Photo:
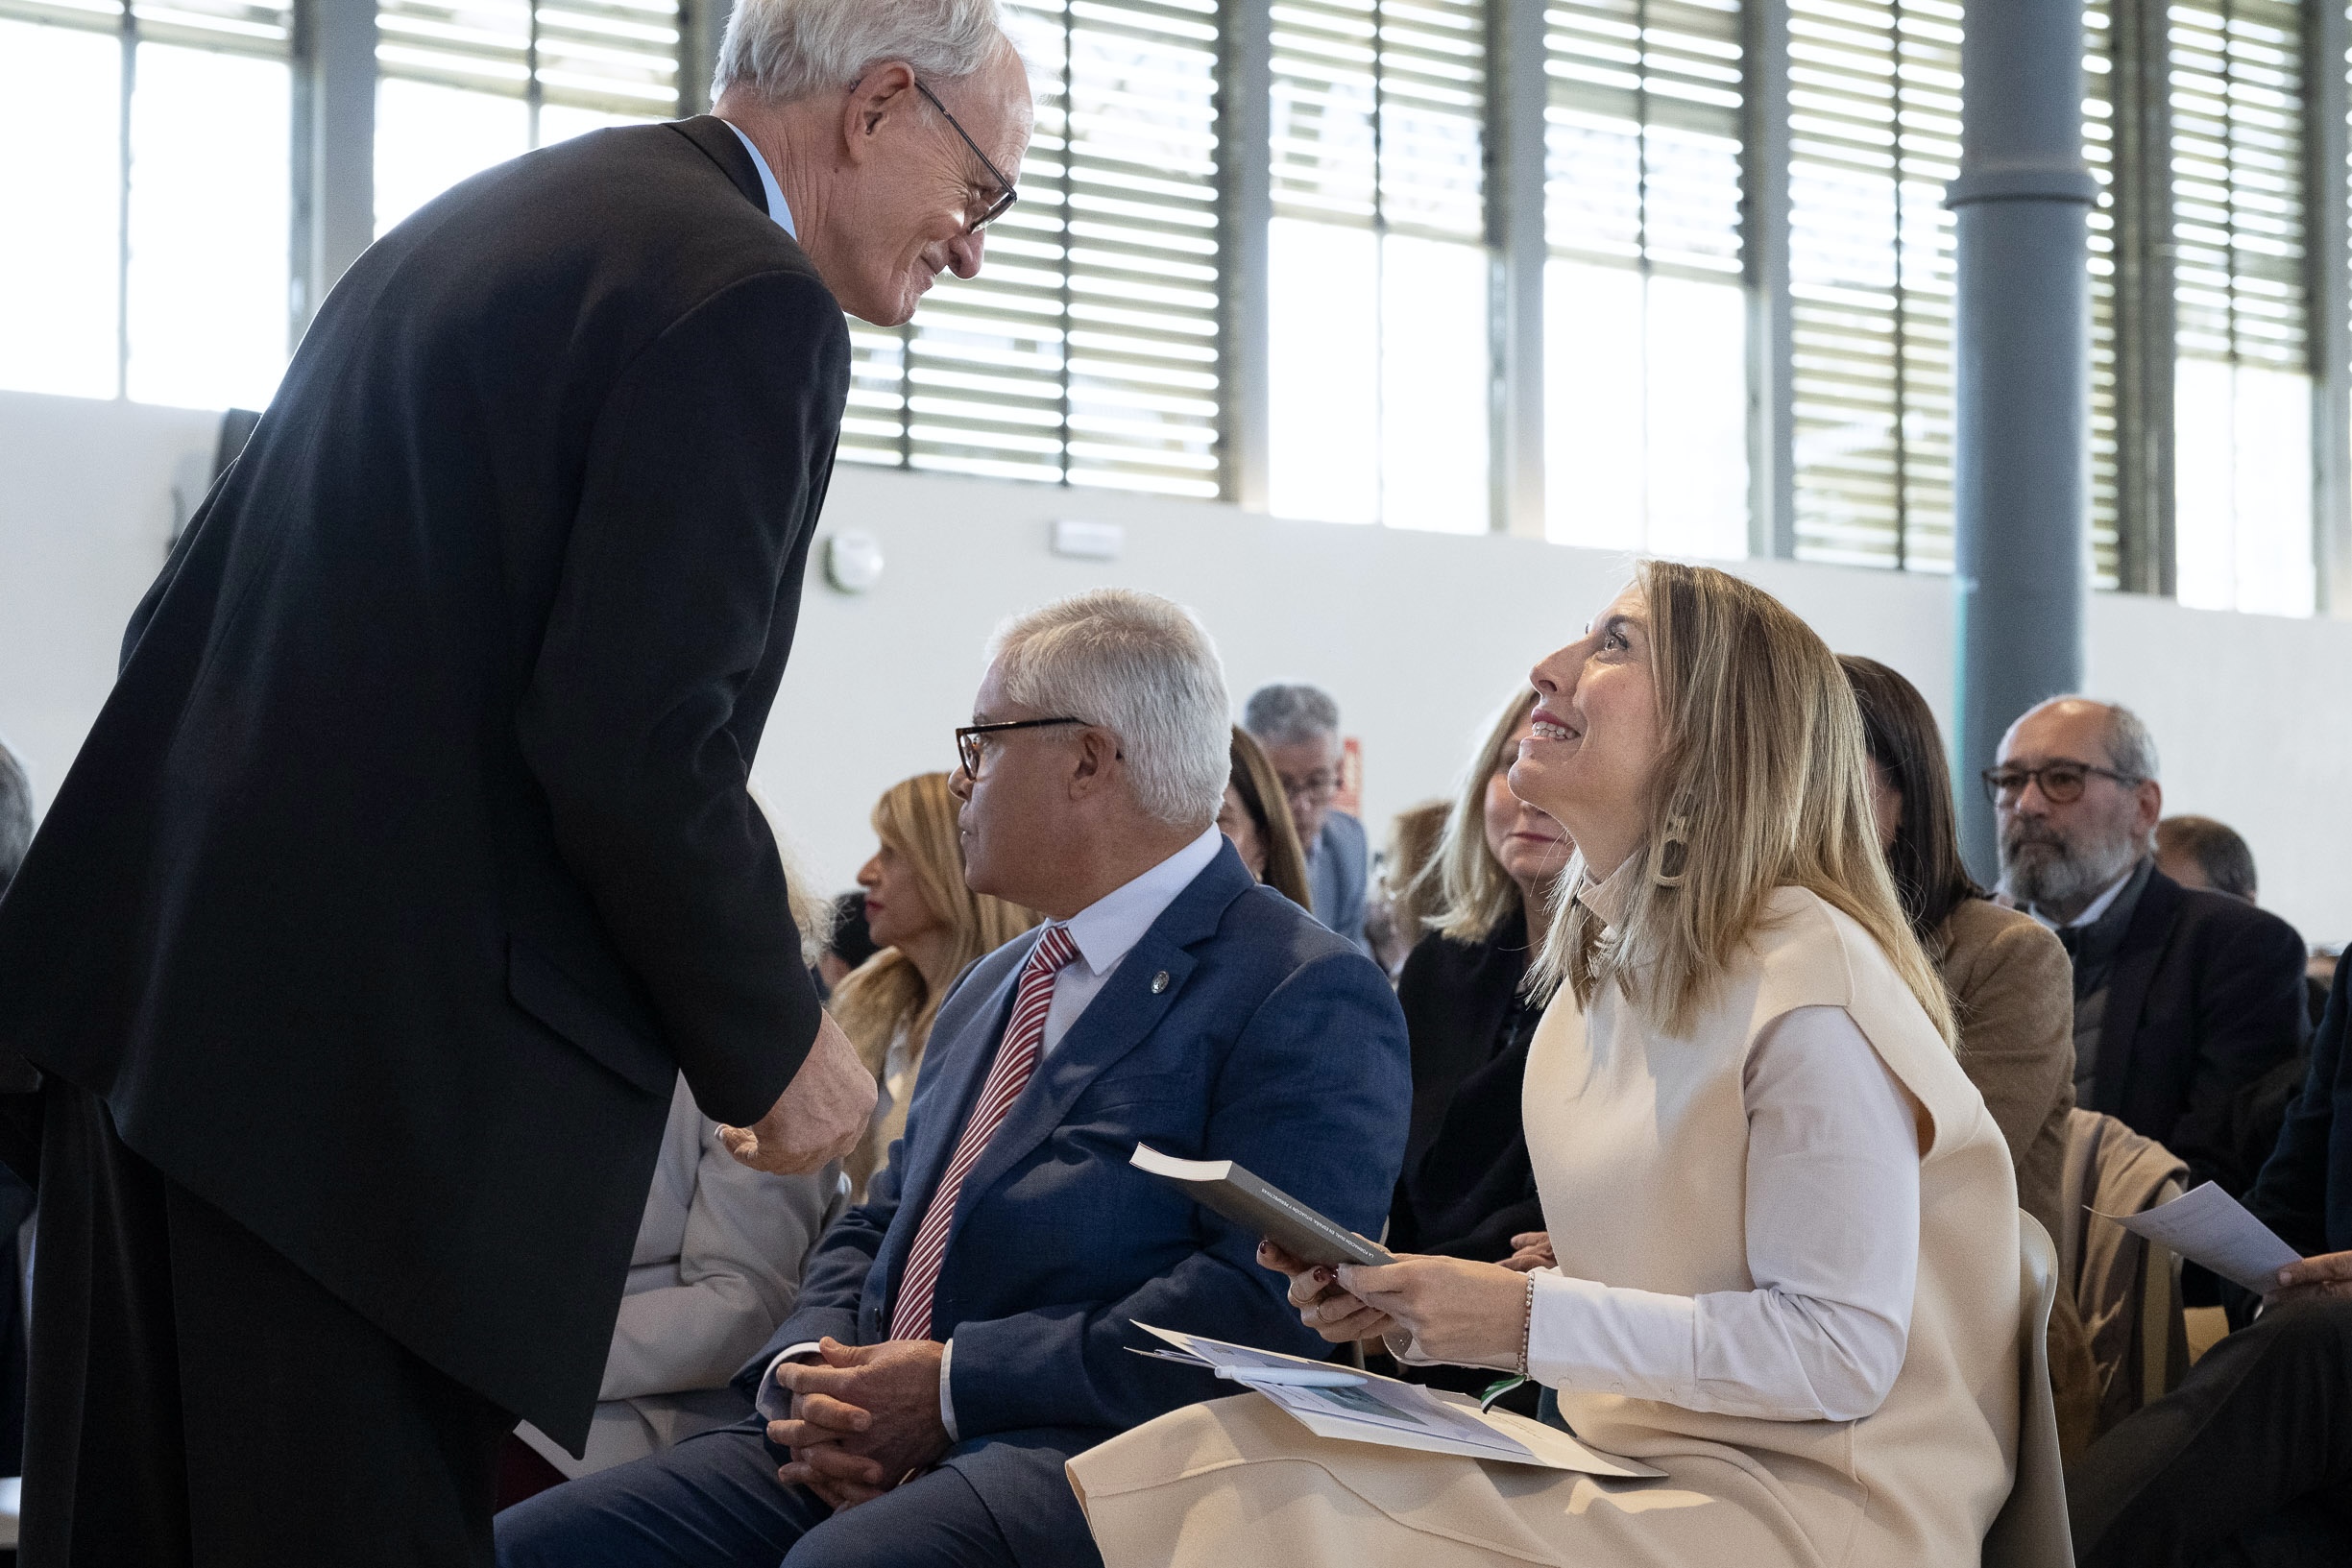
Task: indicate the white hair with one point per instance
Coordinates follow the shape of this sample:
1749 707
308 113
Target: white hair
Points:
788 49
1142 667
1291 712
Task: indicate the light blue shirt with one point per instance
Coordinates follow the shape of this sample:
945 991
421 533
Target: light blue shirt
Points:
778 207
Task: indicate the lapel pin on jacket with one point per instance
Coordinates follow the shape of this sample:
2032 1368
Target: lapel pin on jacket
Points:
1159 982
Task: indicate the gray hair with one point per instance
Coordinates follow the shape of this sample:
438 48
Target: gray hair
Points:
1288 712
2131 750
788 49
1142 667
15 815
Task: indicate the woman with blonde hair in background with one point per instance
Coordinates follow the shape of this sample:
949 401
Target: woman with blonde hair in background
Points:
1786 1224
928 925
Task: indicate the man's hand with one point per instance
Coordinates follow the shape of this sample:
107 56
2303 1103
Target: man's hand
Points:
820 1117
863 1420
2330 1274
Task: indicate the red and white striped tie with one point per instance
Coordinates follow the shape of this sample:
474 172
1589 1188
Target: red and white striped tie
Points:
1016 1061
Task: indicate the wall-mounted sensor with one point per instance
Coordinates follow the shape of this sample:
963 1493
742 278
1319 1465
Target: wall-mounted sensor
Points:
853 560
1088 541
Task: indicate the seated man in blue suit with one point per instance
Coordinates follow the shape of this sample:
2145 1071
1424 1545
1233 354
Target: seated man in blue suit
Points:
968 1330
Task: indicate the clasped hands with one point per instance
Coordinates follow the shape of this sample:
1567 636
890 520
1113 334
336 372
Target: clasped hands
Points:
1452 1310
864 1418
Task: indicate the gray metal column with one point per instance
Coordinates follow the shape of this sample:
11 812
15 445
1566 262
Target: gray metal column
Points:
1772 349
2326 35
1244 157
2022 377
334 148
1517 92
702 26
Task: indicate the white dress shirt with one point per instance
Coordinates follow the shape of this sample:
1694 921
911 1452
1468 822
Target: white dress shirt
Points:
778 207
1104 933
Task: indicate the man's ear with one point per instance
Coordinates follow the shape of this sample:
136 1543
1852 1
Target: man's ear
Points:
885 90
2151 805
1098 751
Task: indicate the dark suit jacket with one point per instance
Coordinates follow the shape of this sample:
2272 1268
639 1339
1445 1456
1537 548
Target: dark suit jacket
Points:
2305 1190
1274 1043
411 858
1467 1187
2205 996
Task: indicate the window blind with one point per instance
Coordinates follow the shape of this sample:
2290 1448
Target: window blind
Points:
615 56
2098 152
1874 100
1086 352
233 26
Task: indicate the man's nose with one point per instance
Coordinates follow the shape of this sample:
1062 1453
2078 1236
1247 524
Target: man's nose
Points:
963 253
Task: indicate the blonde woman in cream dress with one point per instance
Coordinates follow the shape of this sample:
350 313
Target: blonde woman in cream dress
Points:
1785 1225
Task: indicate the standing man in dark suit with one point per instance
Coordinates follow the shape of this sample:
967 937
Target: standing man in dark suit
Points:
2183 998
968 1328
412 858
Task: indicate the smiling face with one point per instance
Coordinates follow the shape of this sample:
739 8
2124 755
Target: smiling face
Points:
1528 845
904 214
1595 736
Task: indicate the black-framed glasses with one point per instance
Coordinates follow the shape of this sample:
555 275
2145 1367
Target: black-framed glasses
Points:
1005 195
2062 781
1320 786
969 744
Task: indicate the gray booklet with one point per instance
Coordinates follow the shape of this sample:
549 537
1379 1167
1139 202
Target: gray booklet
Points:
1262 1209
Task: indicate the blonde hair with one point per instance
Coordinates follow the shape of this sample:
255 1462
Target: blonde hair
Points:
1471 891
917 818
1414 837
1761 783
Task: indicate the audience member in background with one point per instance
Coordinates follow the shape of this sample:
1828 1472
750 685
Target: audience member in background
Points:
1256 819
2011 986
2012 991
1299 726
1396 916
2249 1461
847 942
1466 1189
1786 1228
2182 997
2198 851
965 1331
929 926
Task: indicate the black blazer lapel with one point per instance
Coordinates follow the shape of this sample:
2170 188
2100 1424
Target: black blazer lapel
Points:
2127 985
1121 1016
724 147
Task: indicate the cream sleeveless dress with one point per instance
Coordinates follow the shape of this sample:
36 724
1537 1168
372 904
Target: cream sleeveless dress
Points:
1639 1148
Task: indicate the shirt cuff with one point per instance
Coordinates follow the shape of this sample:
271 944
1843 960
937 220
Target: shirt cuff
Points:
947 1394
773 1402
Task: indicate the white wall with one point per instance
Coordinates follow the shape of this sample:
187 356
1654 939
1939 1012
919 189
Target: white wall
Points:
1419 635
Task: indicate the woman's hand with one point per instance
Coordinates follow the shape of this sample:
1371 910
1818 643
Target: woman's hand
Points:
1532 1250
1322 1305
1469 1314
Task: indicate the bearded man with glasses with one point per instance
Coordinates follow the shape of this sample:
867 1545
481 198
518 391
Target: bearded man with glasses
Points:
2184 998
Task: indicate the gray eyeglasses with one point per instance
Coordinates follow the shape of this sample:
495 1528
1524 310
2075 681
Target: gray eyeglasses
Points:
1005 195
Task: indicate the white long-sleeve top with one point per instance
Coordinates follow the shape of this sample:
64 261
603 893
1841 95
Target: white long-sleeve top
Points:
1832 1205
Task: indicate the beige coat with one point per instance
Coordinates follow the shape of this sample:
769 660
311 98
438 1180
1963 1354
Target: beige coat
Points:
2013 988
1639 1144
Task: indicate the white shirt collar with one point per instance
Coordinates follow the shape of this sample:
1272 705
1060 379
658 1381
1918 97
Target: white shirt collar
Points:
1105 929
778 207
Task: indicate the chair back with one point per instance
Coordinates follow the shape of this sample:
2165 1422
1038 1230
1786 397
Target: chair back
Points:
2032 1531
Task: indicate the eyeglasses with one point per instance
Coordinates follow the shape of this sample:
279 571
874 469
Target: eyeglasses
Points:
969 743
1005 195
2062 782
1318 786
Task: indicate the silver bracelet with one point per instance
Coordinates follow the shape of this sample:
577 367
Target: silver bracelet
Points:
1527 1323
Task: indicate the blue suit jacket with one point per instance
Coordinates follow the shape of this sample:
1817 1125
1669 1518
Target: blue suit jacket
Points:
1339 874
1271 1042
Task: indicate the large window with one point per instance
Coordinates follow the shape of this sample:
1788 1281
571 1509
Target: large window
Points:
1874 122
1377 352
2242 496
146 187
1646 399
1086 350
471 83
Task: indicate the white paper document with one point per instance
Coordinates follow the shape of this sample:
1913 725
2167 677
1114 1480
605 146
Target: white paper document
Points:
1370 1409
2208 1226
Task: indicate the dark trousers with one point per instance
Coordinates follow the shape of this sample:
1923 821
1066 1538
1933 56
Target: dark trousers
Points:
714 1502
196 1399
2247 1463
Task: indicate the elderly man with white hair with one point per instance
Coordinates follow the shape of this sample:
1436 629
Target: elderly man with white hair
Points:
968 1329
412 860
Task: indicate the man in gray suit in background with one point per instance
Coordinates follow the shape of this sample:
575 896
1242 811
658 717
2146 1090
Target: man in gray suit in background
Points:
1299 726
